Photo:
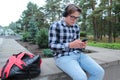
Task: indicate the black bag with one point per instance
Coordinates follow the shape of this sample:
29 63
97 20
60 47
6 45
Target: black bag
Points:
21 66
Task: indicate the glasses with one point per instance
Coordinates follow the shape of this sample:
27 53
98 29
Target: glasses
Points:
73 17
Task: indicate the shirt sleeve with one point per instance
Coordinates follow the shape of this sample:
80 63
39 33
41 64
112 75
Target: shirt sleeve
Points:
54 43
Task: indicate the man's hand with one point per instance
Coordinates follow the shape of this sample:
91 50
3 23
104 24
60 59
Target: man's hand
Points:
77 44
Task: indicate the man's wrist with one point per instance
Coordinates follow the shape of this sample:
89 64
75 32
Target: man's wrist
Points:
69 45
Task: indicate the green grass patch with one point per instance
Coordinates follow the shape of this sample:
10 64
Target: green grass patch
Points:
105 45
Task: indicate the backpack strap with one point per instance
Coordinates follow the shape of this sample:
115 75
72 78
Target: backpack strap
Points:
15 60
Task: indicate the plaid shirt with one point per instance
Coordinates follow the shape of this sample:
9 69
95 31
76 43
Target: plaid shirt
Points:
60 35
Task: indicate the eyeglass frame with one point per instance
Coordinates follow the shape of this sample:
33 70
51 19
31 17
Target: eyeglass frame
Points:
73 17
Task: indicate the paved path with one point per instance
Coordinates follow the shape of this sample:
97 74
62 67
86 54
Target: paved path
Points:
9 47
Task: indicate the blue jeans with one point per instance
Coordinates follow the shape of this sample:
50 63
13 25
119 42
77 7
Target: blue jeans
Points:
76 65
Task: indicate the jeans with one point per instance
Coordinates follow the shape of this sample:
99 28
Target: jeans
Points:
76 65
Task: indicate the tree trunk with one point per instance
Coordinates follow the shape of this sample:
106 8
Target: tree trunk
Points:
94 23
110 25
95 29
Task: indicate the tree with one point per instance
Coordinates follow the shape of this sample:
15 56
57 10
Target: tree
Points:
32 29
116 11
84 5
89 6
53 10
12 26
32 20
27 15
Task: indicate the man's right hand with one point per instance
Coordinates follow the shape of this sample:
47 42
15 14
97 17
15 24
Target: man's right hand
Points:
77 44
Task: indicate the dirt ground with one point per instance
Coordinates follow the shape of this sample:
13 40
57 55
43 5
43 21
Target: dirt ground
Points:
32 48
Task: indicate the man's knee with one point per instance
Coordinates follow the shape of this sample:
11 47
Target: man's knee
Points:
100 72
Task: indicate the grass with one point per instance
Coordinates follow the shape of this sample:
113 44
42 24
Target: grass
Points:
105 45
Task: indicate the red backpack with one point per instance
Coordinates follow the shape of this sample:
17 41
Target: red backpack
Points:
21 66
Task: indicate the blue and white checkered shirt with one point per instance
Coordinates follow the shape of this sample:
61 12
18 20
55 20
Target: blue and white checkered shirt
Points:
60 35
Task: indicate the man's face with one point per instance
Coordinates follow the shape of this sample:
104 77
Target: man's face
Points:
72 18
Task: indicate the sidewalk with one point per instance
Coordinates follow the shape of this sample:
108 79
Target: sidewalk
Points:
9 47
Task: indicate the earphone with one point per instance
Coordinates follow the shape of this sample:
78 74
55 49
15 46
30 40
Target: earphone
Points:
65 13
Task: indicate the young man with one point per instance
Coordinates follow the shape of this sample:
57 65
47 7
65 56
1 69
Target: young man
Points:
64 41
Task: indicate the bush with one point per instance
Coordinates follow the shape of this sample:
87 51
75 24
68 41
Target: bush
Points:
42 38
25 36
47 53
83 34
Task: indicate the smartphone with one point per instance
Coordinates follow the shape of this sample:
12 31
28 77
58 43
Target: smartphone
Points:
84 40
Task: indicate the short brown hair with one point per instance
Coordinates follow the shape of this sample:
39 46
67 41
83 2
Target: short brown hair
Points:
71 8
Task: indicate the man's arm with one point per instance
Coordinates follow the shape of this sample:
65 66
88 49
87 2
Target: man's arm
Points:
54 44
